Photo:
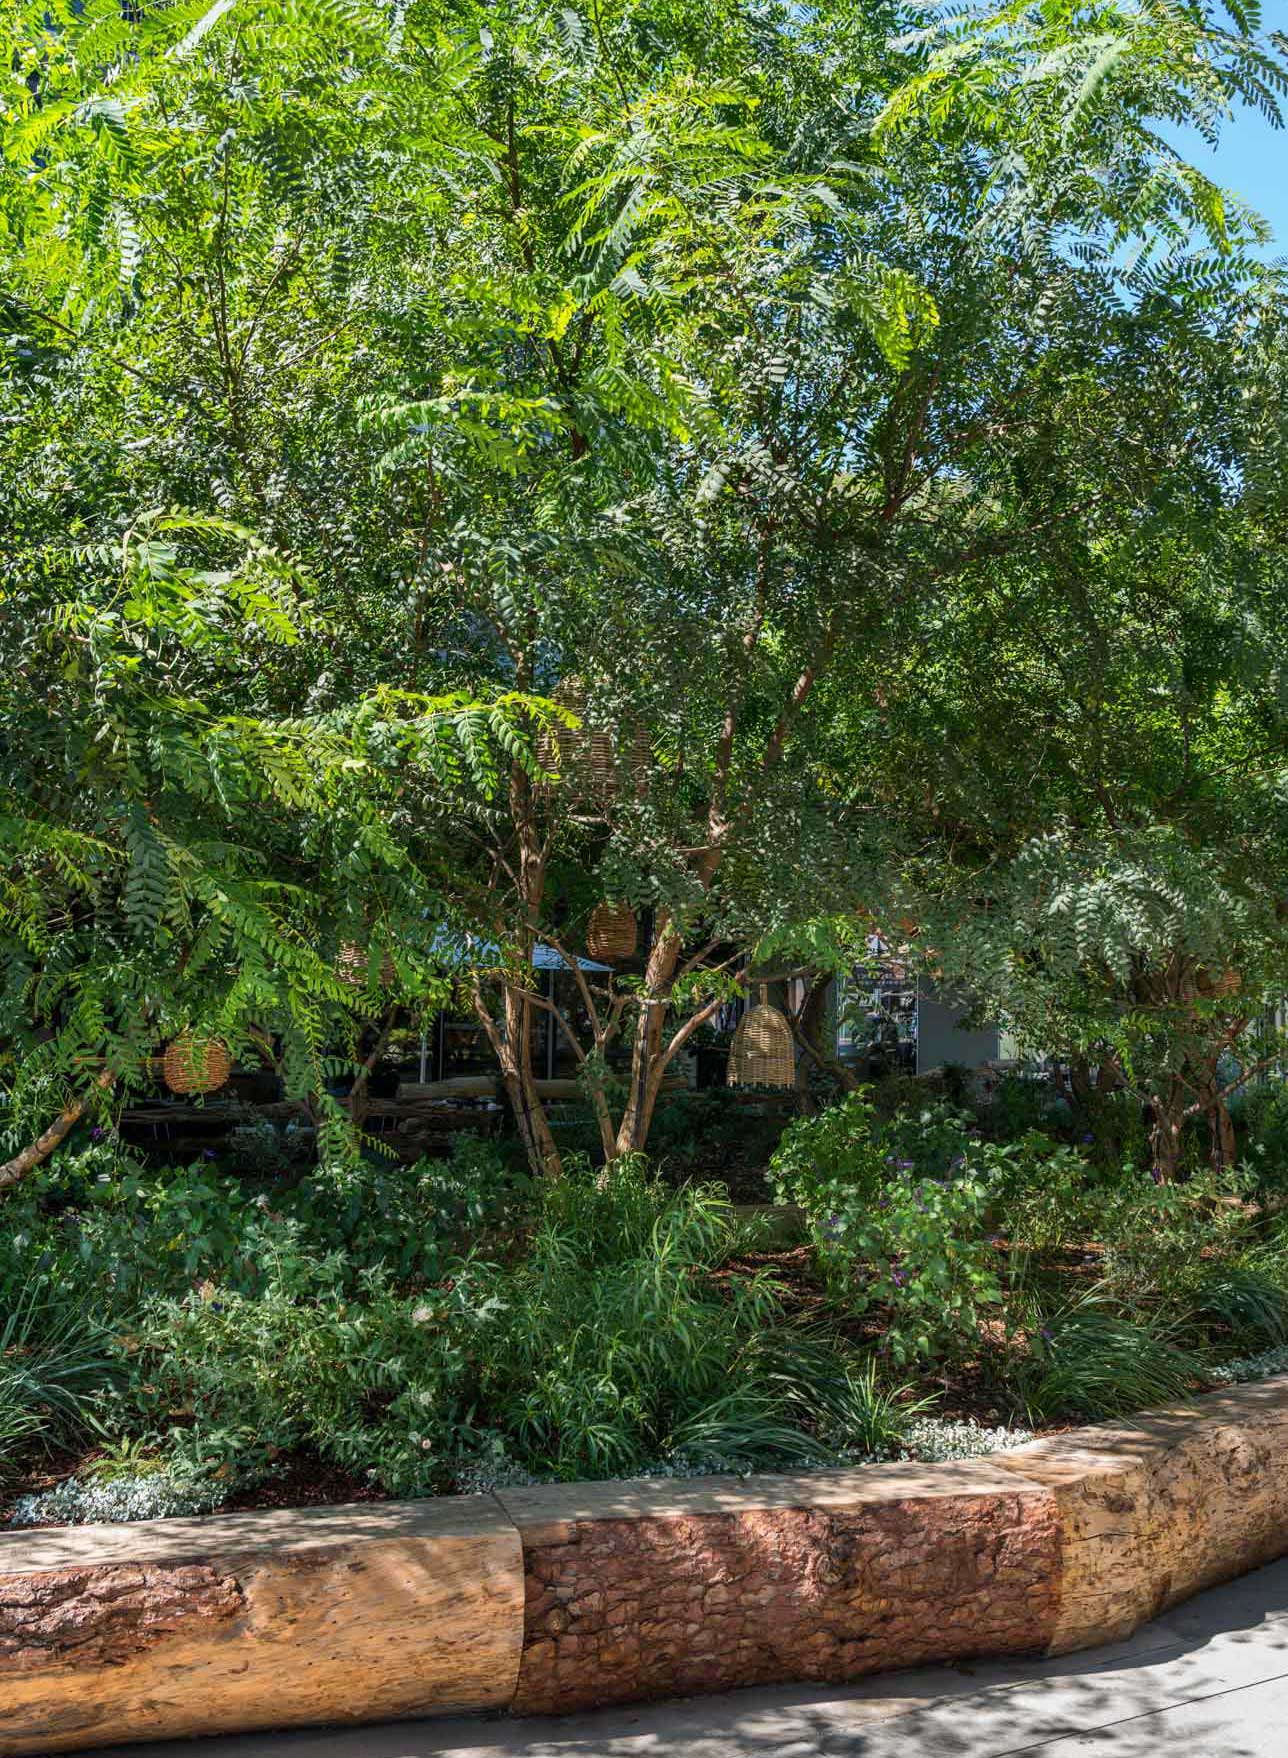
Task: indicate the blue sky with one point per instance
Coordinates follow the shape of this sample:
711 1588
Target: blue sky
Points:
1252 158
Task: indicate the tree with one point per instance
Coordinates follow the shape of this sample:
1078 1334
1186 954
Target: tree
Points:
672 347
1095 836
176 863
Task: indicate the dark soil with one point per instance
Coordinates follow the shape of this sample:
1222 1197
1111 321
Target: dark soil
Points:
303 1481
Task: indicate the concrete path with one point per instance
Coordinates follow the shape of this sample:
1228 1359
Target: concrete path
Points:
1209 1680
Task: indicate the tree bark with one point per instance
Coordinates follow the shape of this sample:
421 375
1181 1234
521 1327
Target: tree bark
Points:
647 1062
807 1028
1167 1126
359 1102
13 1171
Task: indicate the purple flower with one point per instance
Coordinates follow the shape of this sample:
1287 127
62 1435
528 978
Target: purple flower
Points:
97 1134
1156 1173
905 1165
208 1153
1089 1137
898 1277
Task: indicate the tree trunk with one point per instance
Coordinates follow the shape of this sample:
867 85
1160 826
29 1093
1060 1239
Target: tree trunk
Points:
359 1095
807 1028
1166 1129
521 1090
13 1171
1222 1147
648 1063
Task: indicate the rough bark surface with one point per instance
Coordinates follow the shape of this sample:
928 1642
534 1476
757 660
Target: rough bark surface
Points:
1153 1513
107 1616
624 1609
336 1630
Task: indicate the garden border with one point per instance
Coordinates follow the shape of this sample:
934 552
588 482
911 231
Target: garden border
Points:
571 1595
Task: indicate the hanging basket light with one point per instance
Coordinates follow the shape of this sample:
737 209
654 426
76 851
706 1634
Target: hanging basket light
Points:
352 963
762 1053
611 933
582 756
192 1066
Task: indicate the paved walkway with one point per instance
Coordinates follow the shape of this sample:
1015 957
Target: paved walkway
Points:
1209 1680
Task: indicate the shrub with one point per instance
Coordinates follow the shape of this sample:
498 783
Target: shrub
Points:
260 1149
618 1348
1245 1302
932 1141
837 1152
1160 1238
1045 1195
607 1344
1019 1106
1260 1116
889 1237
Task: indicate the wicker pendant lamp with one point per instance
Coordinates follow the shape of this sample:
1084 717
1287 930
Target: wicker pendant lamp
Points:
762 1053
351 967
611 932
192 1067
582 755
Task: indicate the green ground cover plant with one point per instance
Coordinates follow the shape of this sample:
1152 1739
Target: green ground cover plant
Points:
453 1324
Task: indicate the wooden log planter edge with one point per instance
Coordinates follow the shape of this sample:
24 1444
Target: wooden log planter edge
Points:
565 1597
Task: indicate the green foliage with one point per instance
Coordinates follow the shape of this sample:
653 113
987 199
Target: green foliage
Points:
604 1346
1247 1304
117 1232
890 1234
707 352
176 858
837 1154
1018 1105
620 1349
707 1135
56 1365
1260 1115
1090 1359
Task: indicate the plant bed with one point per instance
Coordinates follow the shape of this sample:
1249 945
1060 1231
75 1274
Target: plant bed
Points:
381 1332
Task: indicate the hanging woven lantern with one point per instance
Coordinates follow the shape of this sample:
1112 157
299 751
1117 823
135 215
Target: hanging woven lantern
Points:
640 761
190 1066
611 932
762 1053
351 967
582 755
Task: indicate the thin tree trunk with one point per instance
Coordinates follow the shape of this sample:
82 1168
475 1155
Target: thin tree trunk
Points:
359 1102
520 1084
807 1028
647 1066
1165 1136
13 1171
